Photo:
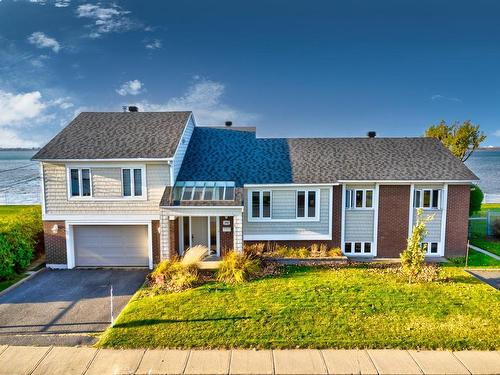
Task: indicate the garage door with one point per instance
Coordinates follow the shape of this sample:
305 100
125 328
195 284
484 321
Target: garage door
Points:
111 245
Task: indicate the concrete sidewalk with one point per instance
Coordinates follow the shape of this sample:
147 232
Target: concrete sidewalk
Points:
24 360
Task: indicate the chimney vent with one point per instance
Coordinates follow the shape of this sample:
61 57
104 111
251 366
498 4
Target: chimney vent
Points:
372 134
229 123
133 108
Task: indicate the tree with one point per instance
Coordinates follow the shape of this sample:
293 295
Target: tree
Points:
412 258
461 139
476 199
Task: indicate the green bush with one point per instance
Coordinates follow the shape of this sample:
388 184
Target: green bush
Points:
476 199
18 237
174 276
496 227
237 268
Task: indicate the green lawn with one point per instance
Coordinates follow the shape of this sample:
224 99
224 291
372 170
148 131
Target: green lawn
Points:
477 230
476 259
317 308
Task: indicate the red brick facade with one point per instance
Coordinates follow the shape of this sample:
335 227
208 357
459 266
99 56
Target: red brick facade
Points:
393 217
457 220
174 238
226 238
55 243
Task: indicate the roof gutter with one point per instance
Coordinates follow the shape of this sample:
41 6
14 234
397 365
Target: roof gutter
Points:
403 182
104 160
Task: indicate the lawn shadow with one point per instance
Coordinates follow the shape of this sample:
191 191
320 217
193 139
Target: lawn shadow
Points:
149 322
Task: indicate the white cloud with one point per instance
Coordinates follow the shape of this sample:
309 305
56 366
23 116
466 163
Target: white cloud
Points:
438 97
204 98
62 3
134 87
26 117
19 107
106 20
497 133
40 40
155 44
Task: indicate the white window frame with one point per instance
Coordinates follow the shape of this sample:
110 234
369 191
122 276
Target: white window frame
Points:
132 183
306 205
261 205
428 251
80 183
420 204
362 253
350 197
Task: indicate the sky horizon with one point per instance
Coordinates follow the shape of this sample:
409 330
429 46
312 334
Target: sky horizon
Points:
289 68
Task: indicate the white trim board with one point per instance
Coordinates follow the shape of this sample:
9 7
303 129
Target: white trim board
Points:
96 218
102 160
286 237
291 186
408 182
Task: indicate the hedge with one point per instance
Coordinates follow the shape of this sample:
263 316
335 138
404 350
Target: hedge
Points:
18 238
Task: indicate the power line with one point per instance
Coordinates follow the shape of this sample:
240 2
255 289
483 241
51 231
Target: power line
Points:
13 169
5 188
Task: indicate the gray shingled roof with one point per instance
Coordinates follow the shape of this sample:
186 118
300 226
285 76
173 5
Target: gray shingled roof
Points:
227 155
117 135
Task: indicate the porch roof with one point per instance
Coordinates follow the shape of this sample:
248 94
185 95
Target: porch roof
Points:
168 200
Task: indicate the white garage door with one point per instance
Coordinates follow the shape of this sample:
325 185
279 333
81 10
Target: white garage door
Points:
111 245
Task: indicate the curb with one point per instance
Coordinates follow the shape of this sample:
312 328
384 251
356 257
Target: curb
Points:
14 286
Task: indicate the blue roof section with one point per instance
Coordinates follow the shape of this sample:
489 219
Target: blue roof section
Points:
216 154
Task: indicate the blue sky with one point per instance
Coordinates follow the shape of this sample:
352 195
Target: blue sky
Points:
308 68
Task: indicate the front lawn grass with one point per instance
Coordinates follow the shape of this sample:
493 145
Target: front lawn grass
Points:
352 307
476 259
478 231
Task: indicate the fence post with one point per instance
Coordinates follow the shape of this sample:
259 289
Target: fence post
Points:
488 224
467 255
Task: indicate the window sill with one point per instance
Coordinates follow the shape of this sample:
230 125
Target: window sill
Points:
297 220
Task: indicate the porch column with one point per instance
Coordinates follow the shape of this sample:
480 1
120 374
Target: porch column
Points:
164 236
238 232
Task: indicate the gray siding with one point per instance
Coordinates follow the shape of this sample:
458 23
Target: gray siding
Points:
107 202
285 205
359 225
182 147
433 226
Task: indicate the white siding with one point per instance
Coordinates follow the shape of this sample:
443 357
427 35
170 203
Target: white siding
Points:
433 226
182 148
107 201
291 229
359 225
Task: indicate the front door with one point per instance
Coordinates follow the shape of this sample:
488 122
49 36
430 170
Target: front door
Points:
199 231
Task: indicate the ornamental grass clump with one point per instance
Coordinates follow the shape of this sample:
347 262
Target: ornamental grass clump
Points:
174 276
413 257
237 268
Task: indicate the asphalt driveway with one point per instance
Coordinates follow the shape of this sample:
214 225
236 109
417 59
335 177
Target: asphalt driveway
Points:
65 307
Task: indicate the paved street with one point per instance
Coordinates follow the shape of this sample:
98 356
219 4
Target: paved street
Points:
62 307
89 361
491 277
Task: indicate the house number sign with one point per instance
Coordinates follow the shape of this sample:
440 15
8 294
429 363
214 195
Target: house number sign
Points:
226 229
226 222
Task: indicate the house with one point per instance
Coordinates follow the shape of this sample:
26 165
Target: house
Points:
133 188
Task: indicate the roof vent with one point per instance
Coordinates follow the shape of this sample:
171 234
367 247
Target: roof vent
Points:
133 108
372 134
229 123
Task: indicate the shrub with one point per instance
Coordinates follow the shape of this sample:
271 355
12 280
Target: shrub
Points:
282 251
255 249
18 237
496 227
323 250
335 252
301 252
194 255
172 275
476 199
412 258
237 268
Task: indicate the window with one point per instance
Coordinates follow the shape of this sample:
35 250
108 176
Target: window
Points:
204 191
132 182
306 208
80 182
261 204
358 248
427 198
430 247
359 198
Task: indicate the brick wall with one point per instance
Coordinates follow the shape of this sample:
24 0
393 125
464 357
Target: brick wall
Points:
174 238
155 225
393 216
226 238
55 243
457 220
